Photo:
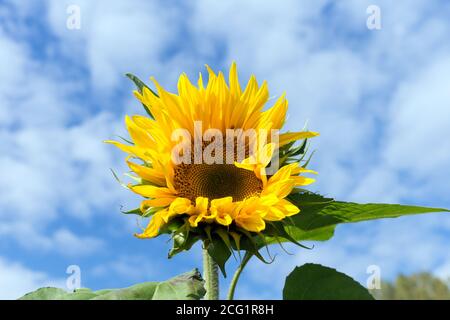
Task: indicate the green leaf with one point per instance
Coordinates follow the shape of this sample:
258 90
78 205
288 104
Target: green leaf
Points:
189 285
319 216
316 282
320 234
219 252
140 85
354 212
49 293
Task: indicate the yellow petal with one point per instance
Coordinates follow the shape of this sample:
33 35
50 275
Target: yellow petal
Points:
154 226
285 138
273 214
140 137
149 174
215 203
269 200
177 206
302 181
252 223
288 208
221 209
299 169
159 202
233 79
180 205
194 220
150 191
281 189
201 204
247 164
283 173
137 151
224 219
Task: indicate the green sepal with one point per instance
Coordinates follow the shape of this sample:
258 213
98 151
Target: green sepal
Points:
237 240
140 85
125 140
252 244
290 153
133 211
182 237
136 179
118 180
219 252
309 159
208 232
223 234
150 211
279 231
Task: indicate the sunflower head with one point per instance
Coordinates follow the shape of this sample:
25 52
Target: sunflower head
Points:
210 162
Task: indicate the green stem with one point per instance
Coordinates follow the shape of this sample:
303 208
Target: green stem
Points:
211 275
237 274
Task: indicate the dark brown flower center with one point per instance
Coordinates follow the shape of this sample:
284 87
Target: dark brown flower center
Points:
215 181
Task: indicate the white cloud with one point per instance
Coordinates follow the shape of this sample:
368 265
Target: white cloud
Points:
50 174
420 116
117 37
132 268
68 243
61 241
414 141
17 280
52 165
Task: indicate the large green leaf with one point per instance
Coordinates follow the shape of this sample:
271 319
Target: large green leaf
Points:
316 282
319 216
50 293
189 285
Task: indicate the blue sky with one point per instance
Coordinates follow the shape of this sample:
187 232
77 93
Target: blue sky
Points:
380 99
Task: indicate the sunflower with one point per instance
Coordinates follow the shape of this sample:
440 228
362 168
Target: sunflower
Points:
236 191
